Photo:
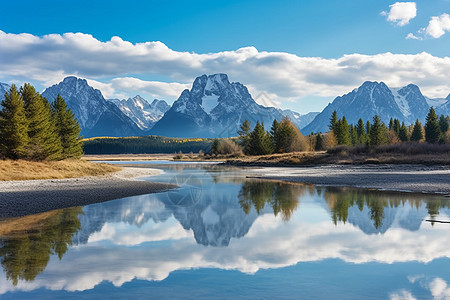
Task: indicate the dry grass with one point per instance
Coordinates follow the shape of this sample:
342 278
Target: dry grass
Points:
405 153
30 170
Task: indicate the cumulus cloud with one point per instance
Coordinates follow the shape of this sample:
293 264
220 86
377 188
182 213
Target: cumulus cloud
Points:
438 26
401 13
412 36
119 68
439 289
402 295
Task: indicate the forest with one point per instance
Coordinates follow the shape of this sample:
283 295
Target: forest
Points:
145 144
31 128
284 137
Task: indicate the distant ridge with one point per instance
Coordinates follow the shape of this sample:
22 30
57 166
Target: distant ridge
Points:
96 116
374 98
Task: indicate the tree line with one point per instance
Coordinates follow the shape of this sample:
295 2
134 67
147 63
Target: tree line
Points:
145 144
283 137
435 131
32 128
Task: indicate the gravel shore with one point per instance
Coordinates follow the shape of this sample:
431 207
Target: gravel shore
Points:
20 198
405 178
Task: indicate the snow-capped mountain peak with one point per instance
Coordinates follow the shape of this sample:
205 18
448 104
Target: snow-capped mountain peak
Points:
97 117
374 98
143 113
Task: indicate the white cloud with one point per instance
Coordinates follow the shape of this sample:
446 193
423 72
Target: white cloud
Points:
402 295
283 76
401 13
412 36
438 26
439 289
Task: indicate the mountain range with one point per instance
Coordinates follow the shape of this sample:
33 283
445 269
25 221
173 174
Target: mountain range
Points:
213 107
407 104
143 113
216 107
97 117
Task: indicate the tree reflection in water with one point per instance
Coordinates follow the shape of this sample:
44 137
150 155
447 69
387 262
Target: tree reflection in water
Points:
339 200
25 252
282 197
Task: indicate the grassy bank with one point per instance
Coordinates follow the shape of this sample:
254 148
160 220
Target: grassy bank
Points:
30 170
390 154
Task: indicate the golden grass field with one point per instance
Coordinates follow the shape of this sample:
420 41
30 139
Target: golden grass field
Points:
31 170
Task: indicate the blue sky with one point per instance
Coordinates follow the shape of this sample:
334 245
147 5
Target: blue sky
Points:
279 37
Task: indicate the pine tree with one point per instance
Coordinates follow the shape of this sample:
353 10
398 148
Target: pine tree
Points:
361 132
417 134
44 140
344 132
444 123
335 126
13 126
378 132
432 128
368 127
215 147
288 138
274 136
260 143
354 135
319 142
333 121
403 133
244 136
68 129
396 126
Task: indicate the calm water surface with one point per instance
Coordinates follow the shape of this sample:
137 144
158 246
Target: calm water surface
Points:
221 235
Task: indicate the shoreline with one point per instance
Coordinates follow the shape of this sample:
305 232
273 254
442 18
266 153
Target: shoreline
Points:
417 179
27 197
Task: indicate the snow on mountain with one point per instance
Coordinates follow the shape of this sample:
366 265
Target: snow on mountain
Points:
97 117
301 121
436 102
143 113
444 109
213 107
372 98
4 88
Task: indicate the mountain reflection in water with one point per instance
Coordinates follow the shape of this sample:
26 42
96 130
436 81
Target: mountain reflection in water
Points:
232 220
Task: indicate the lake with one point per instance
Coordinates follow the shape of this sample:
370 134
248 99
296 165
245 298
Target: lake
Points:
223 235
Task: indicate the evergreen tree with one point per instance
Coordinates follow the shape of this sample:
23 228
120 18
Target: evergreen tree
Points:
403 133
396 126
215 147
444 123
260 143
342 132
333 121
417 134
432 128
368 127
13 126
361 132
319 142
274 136
244 136
378 132
44 140
354 135
68 129
391 124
